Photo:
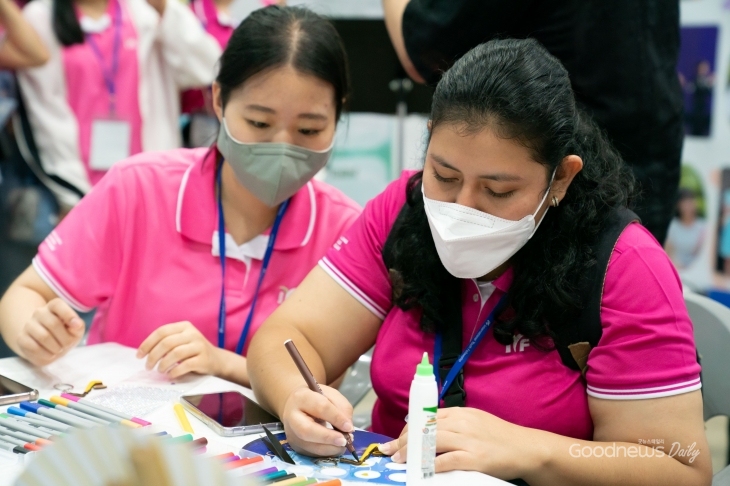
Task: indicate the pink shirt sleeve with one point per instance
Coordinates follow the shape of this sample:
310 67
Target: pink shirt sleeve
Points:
355 261
81 259
647 349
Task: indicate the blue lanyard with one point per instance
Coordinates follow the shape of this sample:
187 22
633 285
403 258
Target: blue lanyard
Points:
264 267
466 354
110 74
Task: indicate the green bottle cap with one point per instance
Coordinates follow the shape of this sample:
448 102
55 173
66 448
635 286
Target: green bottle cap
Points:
424 368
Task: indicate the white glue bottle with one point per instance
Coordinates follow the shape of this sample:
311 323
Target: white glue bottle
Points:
422 408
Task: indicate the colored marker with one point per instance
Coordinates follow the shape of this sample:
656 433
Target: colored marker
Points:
12 445
264 472
23 436
182 418
304 482
21 443
254 469
13 448
284 478
201 442
86 401
93 412
272 476
227 455
180 438
49 431
25 421
17 425
75 413
243 462
230 459
37 420
331 482
294 479
57 415
163 434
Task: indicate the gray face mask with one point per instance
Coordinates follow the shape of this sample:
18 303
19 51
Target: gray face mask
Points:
273 172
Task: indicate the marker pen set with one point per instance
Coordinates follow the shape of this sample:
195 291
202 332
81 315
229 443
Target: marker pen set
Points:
99 408
69 413
30 426
265 472
21 437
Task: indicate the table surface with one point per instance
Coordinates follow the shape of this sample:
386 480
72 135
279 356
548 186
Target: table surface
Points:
118 367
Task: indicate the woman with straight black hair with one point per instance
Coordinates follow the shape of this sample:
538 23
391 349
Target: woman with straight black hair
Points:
561 344
111 88
184 253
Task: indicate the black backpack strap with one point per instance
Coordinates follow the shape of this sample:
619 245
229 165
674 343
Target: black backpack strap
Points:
451 338
576 339
451 349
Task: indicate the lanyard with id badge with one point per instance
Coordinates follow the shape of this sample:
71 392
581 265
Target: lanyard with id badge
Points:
264 266
110 136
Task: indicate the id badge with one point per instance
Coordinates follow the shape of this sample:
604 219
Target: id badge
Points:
110 142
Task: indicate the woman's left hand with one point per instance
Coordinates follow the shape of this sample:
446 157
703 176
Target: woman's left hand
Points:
180 348
469 439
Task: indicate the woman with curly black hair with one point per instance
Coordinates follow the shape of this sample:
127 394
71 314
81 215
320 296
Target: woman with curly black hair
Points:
562 346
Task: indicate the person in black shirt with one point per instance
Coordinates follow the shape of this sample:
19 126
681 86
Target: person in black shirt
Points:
621 56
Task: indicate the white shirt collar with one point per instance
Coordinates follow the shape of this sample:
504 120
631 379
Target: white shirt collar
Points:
226 20
95 26
252 249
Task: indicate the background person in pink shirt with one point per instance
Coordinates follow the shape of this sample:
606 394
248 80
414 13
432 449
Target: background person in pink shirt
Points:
517 190
145 247
111 87
216 18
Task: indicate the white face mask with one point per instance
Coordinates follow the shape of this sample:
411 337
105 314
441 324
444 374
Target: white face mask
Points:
471 243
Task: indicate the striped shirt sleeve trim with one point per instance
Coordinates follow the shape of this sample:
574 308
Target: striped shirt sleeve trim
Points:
351 288
56 287
644 393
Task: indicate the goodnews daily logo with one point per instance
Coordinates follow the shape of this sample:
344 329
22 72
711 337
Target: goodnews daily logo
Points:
614 450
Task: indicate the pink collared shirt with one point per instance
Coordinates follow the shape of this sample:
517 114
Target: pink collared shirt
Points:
86 91
139 248
647 348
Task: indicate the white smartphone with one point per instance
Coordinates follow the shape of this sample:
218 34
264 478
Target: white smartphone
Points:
230 413
13 392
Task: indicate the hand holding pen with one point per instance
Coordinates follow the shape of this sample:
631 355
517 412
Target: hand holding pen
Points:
314 386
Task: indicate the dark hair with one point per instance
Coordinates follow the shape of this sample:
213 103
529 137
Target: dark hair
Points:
519 90
279 36
686 193
66 24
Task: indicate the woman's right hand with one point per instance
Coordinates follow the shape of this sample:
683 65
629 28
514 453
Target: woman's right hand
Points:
303 416
53 330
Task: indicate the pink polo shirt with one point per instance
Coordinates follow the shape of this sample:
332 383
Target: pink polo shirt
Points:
221 28
139 248
647 349
87 92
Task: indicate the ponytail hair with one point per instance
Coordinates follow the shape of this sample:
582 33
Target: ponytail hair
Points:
65 23
521 92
